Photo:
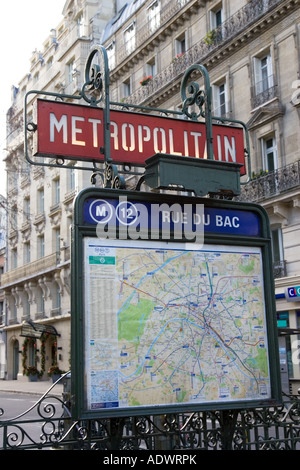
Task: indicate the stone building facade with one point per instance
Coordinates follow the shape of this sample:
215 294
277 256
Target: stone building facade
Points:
36 282
251 51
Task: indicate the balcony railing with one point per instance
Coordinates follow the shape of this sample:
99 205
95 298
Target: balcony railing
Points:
279 269
230 28
263 91
272 184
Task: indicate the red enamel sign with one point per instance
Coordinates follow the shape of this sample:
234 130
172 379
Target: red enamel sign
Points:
76 132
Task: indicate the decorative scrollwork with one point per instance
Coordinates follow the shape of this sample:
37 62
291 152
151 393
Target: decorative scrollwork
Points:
96 77
197 96
200 98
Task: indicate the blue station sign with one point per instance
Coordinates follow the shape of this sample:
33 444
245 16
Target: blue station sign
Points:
123 212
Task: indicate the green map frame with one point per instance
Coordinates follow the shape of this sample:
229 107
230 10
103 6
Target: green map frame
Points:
168 341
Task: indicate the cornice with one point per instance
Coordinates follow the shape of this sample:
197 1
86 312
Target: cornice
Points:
222 51
166 29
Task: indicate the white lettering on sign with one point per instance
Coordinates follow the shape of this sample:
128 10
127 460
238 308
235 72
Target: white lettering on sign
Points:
227 221
101 211
196 136
144 135
67 130
229 149
76 130
128 146
114 135
62 125
163 142
95 123
162 148
58 125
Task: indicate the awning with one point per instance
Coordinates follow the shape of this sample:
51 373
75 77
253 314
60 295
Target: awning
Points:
36 330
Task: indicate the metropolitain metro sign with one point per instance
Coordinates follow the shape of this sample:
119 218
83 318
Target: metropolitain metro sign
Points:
76 132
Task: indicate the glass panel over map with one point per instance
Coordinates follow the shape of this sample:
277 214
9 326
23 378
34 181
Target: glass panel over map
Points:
165 325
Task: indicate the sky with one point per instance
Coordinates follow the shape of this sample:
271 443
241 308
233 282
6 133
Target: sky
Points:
25 25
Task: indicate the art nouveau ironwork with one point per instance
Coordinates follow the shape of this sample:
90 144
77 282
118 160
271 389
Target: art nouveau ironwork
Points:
96 90
48 424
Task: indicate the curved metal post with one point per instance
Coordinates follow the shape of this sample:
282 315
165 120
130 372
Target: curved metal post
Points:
200 98
97 81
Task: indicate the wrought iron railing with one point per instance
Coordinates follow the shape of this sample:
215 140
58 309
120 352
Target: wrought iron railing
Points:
271 184
49 424
198 53
263 91
279 269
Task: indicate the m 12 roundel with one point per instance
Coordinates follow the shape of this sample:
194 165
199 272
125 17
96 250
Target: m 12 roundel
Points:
101 211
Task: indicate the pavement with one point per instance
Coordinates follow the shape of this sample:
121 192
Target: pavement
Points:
34 388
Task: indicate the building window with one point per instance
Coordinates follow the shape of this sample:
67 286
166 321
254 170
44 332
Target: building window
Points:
215 21
263 73
56 298
126 88
111 55
129 38
216 17
26 252
263 89
70 72
56 191
49 62
279 264
151 69
14 258
80 26
269 154
277 245
154 16
14 218
26 306
71 178
40 201
298 318
41 246
40 303
180 44
56 240
220 104
32 354
26 209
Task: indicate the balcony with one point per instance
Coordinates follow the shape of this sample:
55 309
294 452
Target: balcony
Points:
271 184
263 92
253 14
279 269
30 270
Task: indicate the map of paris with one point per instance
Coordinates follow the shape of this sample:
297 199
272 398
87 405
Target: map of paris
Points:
168 325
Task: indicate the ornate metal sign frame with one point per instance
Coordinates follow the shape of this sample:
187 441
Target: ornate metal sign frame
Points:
96 90
93 326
